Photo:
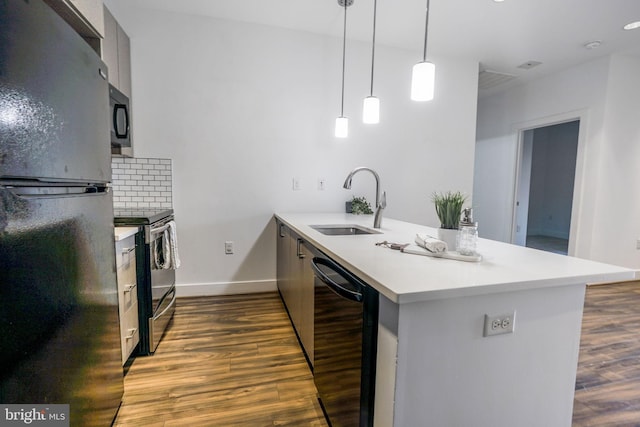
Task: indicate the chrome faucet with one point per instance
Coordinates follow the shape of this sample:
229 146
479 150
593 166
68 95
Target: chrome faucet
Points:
381 202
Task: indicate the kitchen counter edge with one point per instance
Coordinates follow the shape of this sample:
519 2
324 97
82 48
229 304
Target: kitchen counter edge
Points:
405 278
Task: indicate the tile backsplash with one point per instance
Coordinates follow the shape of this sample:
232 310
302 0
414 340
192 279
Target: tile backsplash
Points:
141 183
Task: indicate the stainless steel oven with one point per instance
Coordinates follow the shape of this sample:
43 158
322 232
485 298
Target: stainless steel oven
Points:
162 284
156 285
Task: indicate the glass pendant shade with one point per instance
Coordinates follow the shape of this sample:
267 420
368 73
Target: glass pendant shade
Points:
371 110
342 127
423 81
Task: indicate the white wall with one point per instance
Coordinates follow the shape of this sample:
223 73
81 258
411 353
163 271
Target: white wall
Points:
619 175
243 108
604 94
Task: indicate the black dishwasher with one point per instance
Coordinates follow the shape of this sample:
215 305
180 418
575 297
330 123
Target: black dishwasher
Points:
345 343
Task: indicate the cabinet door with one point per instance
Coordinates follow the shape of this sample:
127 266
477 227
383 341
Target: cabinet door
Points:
116 53
306 302
110 46
84 16
91 11
284 265
295 273
295 283
124 62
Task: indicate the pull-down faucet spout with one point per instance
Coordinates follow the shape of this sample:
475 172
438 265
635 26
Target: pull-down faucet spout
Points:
381 200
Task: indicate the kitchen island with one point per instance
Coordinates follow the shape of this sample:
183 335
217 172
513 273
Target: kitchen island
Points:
434 365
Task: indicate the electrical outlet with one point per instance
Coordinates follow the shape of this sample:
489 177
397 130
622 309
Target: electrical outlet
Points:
228 247
502 324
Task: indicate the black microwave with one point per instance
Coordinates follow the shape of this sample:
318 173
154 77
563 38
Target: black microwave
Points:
120 119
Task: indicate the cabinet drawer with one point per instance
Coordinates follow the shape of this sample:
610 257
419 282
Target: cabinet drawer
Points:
126 252
127 289
129 331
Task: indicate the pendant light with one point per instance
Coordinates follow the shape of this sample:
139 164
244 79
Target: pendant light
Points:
371 105
424 73
342 123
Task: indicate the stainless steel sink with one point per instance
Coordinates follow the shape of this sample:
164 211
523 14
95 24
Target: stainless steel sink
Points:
343 229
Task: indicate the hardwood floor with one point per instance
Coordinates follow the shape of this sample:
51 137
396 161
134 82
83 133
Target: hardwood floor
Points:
235 361
548 243
608 382
225 361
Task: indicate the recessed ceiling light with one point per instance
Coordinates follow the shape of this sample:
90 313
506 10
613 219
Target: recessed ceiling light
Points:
498 1
593 45
529 65
632 25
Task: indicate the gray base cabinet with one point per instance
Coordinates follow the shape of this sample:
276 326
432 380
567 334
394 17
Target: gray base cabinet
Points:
127 290
295 284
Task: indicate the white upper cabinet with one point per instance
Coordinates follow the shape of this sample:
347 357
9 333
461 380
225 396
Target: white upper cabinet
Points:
116 53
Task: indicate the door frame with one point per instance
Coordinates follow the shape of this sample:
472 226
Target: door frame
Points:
578 183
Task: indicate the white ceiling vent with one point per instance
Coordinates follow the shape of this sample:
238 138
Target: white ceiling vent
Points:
488 79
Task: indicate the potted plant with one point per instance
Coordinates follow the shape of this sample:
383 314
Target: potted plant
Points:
449 209
359 206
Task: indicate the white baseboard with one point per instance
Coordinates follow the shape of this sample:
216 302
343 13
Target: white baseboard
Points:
225 288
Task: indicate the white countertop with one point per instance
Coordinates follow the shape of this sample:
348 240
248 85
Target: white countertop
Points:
405 278
121 233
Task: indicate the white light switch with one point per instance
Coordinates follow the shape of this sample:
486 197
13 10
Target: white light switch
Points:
228 247
296 184
321 184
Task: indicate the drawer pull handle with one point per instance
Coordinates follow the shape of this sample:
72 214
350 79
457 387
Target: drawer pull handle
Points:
129 288
132 333
126 251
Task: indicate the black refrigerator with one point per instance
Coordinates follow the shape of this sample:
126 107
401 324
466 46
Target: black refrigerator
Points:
59 327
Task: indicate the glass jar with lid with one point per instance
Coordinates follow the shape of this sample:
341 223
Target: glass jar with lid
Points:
468 234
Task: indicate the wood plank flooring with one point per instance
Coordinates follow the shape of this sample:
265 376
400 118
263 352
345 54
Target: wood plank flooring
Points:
235 361
225 361
608 382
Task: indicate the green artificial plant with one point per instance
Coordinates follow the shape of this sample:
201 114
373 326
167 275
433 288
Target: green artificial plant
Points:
449 208
359 206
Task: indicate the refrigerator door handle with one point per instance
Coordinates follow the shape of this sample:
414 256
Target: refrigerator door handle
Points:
35 189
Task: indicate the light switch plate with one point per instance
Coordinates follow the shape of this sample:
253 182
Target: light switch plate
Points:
296 184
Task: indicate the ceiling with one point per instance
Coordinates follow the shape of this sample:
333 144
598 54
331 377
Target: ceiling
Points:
501 36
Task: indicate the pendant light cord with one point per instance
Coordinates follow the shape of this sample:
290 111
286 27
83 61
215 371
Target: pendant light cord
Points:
426 31
373 44
344 45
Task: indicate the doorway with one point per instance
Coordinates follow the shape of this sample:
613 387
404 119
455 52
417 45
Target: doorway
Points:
545 186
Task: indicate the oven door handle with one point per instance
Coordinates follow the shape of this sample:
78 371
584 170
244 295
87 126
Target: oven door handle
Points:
334 286
173 300
160 229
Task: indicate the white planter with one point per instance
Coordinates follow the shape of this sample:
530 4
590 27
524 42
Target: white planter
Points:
448 236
